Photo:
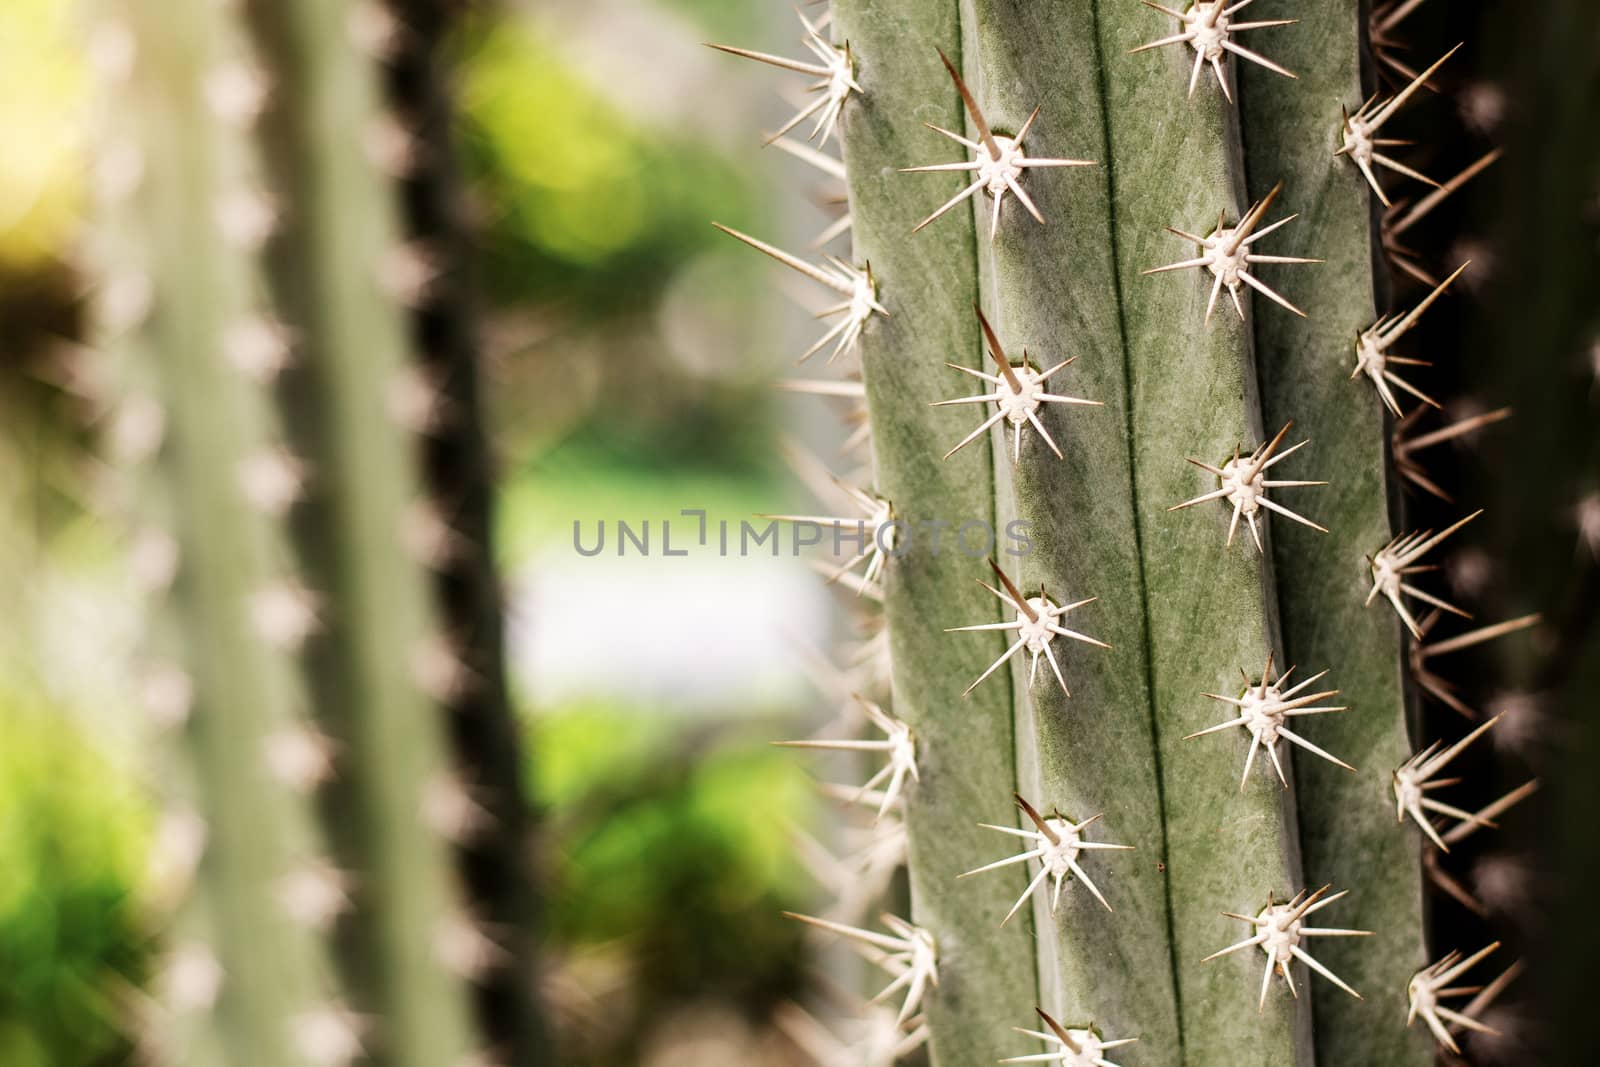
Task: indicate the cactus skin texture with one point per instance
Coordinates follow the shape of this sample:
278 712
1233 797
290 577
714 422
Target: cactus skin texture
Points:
1184 613
230 106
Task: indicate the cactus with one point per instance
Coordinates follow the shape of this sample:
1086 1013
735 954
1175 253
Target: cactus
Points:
495 850
1167 509
253 308
245 976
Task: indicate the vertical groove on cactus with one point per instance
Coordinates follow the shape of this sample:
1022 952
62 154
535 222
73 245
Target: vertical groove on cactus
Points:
242 969
1347 825
460 476
1210 606
338 235
1126 385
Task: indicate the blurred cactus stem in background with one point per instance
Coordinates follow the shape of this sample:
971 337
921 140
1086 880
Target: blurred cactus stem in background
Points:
257 308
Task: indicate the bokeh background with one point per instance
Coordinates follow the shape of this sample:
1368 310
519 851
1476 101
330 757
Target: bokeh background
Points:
631 352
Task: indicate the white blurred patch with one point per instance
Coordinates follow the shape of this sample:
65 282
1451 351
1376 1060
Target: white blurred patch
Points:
646 60
698 630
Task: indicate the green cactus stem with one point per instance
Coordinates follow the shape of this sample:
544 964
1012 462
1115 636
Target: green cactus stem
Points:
244 975
266 247
406 950
1208 325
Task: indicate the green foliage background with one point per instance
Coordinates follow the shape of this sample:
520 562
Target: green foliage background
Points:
72 836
